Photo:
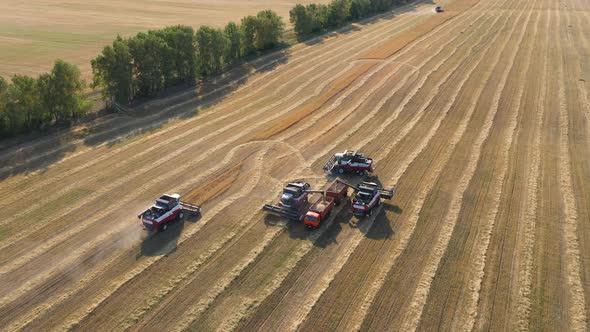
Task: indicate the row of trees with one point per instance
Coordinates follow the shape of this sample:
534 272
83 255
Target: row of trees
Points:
144 65
28 104
314 18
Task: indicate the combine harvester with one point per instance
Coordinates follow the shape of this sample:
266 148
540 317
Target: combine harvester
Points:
167 208
349 161
367 196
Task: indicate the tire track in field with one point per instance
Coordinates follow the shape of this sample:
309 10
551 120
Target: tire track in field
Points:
417 207
155 147
234 318
309 304
577 308
478 264
256 79
525 279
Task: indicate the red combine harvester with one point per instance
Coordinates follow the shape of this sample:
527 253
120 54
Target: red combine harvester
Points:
368 196
297 209
167 208
349 161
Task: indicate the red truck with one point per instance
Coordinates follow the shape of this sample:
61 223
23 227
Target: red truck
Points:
318 212
167 208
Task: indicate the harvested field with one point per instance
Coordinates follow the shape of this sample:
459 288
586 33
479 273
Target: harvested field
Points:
479 117
35 33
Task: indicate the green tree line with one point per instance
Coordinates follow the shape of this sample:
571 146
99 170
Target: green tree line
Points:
315 18
143 65
28 104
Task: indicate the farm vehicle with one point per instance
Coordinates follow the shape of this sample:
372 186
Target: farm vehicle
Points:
349 161
330 197
165 210
366 197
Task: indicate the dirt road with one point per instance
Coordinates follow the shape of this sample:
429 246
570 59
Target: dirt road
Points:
479 116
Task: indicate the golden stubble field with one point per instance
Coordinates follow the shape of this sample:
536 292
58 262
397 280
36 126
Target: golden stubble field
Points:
36 32
479 117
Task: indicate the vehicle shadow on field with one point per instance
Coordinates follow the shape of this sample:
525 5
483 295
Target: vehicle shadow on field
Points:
31 153
164 243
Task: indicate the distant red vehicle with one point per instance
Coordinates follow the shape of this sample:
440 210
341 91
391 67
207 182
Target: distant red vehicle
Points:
166 209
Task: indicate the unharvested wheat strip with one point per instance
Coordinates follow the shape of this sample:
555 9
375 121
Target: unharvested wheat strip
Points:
170 128
525 278
451 218
577 308
155 147
250 305
412 222
467 321
322 285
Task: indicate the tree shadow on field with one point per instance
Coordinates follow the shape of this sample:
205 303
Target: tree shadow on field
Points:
165 242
